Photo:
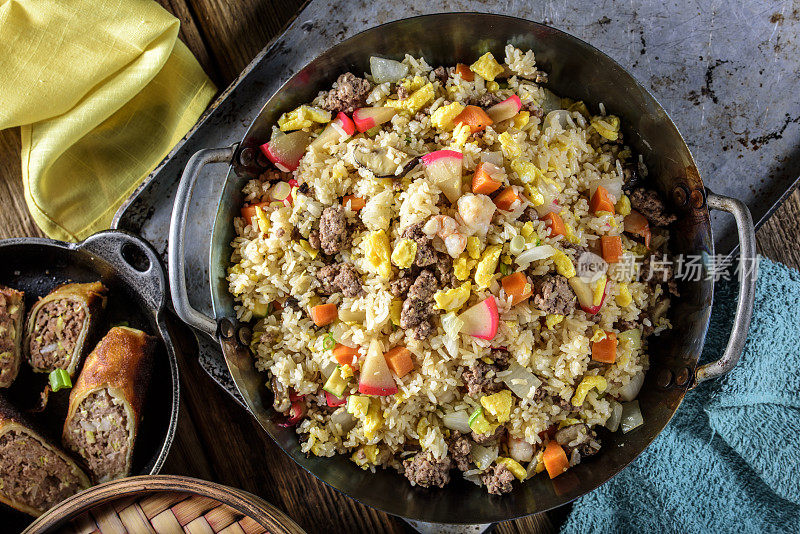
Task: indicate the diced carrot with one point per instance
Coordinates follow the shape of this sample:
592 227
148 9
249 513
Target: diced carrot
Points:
323 314
556 224
474 117
554 459
612 248
482 183
399 360
248 212
518 286
356 203
466 74
345 355
506 199
605 350
601 201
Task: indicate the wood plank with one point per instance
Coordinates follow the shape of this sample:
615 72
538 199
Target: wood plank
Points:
779 237
15 220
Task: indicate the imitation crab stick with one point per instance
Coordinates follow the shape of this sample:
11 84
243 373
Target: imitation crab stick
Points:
345 355
601 201
474 117
605 350
554 459
505 200
482 183
611 247
399 361
517 286
466 74
324 314
553 220
356 203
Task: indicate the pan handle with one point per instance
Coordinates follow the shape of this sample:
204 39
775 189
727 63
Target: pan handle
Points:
177 231
747 287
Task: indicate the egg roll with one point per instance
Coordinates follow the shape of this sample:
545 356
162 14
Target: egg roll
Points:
12 313
105 406
34 473
59 325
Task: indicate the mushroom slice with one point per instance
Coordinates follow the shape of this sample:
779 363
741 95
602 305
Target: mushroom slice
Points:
383 162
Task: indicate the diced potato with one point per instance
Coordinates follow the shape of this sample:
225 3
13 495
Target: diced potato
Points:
443 117
404 253
485 270
499 405
589 382
487 67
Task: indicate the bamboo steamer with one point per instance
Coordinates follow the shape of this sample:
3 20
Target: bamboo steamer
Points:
163 504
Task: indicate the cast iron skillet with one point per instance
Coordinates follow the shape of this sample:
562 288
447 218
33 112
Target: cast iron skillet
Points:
576 70
134 276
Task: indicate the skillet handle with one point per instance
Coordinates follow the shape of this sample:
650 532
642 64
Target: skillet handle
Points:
177 231
748 273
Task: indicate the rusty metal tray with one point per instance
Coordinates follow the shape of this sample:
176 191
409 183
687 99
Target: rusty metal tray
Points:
731 93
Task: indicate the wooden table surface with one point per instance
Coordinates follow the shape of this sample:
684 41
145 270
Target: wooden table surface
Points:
216 439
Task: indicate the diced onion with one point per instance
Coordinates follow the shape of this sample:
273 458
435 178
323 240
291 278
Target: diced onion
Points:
521 381
612 185
342 417
616 416
630 391
633 337
483 457
386 70
352 316
559 116
551 101
48 348
535 253
458 420
631 416
452 324
495 158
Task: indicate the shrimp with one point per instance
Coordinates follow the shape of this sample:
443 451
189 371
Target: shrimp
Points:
476 212
448 230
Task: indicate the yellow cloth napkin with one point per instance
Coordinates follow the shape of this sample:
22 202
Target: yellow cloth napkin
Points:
102 89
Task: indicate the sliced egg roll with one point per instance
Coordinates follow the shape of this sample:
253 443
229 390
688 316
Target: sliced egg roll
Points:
34 474
12 312
105 406
60 324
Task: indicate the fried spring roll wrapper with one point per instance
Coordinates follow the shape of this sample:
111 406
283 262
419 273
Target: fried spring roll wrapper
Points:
58 343
12 314
111 388
34 473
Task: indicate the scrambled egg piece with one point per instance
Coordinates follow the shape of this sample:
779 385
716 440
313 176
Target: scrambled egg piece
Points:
308 248
527 171
571 237
564 265
499 405
599 335
395 309
623 206
552 320
404 253
484 271
365 456
347 371
608 126
303 117
474 247
492 86
415 100
487 67
510 147
527 230
263 220
514 466
443 117
358 406
462 267
460 134
624 298
521 120
453 299
377 253
589 382
412 84
368 410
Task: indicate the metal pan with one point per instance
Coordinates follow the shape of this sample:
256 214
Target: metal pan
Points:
576 70
132 271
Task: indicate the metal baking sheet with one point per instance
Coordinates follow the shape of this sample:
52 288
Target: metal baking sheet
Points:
726 72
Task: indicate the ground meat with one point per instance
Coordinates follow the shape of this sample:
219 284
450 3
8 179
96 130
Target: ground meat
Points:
32 474
498 479
349 92
553 295
105 451
55 334
500 356
444 270
648 203
624 324
342 277
480 379
529 214
402 92
399 286
458 447
533 109
333 230
415 312
313 239
424 470
564 404
441 74
418 307
421 331
423 287
485 100
485 439
426 254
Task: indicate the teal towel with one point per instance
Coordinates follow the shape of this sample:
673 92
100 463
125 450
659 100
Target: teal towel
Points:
729 459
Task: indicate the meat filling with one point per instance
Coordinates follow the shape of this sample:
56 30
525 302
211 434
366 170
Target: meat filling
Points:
33 474
99 434
11 311
55 334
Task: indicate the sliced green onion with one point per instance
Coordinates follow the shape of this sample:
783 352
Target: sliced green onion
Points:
517 244
505 269
120 323
328 343
59 379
